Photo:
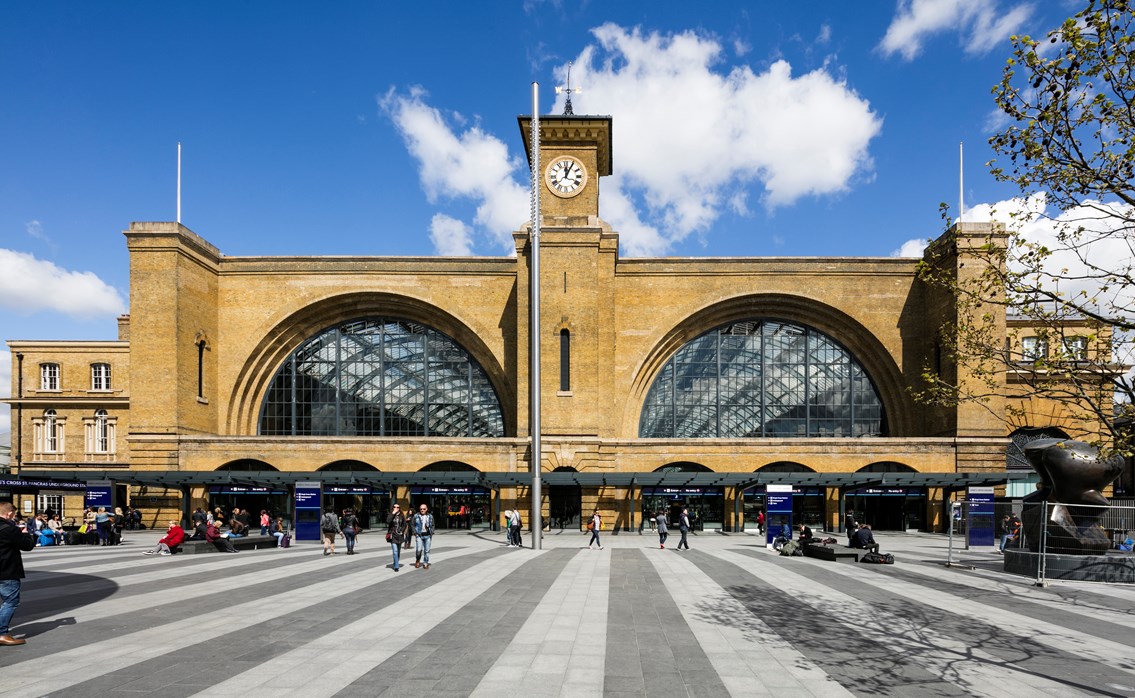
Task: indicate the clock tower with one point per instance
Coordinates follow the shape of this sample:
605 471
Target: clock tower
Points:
575 151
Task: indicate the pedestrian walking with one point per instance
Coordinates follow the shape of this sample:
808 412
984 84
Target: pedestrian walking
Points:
350 529
594 525
395 531
423 527
329 527
514 528
663 524
13 541
684 528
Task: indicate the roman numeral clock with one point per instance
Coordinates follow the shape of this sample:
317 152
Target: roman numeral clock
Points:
565 176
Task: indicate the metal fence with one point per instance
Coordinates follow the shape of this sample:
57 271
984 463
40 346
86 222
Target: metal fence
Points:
1052 541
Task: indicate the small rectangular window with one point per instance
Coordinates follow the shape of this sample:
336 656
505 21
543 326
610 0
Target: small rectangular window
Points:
49 377
100 376
565 361
1034 349
1076 348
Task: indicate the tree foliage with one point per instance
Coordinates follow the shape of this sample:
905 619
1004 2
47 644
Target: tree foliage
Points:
1065 280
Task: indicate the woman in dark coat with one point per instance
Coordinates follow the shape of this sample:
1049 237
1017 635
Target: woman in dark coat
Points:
395 531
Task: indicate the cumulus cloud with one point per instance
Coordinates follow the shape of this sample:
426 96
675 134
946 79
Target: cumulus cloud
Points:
982 24
1104 245
694 138
461 164
911 248
30 285
450 236
700 136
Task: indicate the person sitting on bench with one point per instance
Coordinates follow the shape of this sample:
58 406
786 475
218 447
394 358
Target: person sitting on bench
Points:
863 539
805 534
213 535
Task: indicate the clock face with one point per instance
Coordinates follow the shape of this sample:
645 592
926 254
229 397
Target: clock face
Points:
566 176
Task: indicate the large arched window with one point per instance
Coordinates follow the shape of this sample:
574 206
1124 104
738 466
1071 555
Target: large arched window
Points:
762 378
381 377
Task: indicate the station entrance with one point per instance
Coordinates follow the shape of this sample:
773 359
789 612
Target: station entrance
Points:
455 507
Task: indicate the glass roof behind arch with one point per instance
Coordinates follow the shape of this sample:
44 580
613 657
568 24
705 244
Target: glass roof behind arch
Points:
381 377
762 378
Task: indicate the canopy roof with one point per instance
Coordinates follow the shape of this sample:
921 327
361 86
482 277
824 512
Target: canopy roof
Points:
376 478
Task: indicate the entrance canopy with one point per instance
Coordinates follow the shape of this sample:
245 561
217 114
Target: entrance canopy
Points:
273 478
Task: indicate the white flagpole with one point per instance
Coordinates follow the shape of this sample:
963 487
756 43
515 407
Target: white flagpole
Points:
534 327
961 177
179 181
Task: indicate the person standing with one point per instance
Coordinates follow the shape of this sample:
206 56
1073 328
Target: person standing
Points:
395 531
329 528
102 525
350 529
663 528
423 536
514 528
265 520
684 528
594 526
13 541
760 521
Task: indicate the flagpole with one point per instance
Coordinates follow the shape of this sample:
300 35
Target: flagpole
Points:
534 328
179 181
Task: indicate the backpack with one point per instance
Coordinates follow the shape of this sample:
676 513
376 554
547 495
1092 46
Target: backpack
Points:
329 523
286 541
791 548
872 557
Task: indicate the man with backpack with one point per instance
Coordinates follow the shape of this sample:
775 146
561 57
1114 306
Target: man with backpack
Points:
423 527
329 527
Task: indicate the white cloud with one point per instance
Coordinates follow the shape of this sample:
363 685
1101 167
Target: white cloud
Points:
696 134
911 248
982 24
1104 245
450 236
29 285
694 139
472 165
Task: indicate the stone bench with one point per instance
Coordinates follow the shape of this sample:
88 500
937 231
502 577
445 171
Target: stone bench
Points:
256 542
833 553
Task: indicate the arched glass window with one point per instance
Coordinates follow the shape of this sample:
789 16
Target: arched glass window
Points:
50 432
102 432
762 378
1015 458
381 377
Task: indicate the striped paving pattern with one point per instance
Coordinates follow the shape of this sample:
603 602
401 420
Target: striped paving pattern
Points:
726 619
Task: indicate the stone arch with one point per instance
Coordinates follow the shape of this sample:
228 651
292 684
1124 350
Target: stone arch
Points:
266 357
859 341
340 466
887 467
246 464
448 466
784 467
683 467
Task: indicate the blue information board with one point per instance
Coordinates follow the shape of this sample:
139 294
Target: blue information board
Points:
980 528
100 493
778 512
309 500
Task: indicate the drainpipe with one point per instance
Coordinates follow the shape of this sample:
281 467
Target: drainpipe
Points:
19 411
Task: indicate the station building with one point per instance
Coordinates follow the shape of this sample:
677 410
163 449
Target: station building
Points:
665 382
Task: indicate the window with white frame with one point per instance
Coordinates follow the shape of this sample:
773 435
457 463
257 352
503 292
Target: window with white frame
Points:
1075 348
1034 348
100 376
50 502
48 431
100 430
49 376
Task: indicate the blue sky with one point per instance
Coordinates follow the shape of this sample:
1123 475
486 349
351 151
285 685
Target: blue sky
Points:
367 128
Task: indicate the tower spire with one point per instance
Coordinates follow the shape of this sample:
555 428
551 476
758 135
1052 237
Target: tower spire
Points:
569 91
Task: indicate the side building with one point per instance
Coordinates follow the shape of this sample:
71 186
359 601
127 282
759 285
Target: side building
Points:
665 382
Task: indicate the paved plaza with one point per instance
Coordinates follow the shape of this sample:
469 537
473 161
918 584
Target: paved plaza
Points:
725 618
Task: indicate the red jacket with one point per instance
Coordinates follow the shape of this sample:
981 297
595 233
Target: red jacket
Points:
174 536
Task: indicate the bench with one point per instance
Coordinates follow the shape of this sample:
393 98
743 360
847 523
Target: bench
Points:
190 547
833 553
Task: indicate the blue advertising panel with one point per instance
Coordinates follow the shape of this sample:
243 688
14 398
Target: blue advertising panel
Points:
778 511
309 500
980 529
100 493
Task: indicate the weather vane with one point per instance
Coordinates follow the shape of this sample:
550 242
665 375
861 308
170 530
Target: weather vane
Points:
569 91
